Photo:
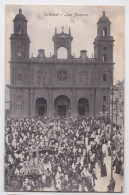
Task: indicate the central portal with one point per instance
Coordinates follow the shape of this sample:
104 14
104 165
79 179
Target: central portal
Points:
41 111
62 106
61 110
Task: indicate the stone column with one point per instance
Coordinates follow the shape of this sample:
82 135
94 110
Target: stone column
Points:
12 102
69 50
55 50
31 103
93 103
49 103
73 104
52 106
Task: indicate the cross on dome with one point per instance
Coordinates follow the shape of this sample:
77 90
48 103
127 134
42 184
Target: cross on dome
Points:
20 11
62 29
55 30
69 30
103 13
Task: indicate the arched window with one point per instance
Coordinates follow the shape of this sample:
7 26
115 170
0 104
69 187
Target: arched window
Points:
104 77
104 57
62 53
19 54
104 98
83 107
103 108
41 106
104 32
19 28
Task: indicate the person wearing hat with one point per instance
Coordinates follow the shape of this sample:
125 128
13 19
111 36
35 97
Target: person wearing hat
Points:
111 185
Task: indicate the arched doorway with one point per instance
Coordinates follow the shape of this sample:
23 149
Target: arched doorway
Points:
83 107
41 107
62 106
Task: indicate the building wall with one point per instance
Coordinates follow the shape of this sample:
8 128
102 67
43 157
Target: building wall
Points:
48 78
118 104
40 80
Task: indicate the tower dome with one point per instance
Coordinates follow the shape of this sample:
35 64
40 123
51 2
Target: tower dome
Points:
20 23
104 18
20 16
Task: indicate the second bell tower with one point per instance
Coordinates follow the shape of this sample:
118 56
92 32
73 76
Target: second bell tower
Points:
103 44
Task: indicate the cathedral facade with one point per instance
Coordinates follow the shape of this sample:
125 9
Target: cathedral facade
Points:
52 86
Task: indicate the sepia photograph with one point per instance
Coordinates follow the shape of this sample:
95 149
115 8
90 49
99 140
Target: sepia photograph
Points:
64 98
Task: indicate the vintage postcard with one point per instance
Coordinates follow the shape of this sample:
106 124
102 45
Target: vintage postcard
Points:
64 117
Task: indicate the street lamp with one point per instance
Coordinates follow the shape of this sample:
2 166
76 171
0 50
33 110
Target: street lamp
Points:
116 110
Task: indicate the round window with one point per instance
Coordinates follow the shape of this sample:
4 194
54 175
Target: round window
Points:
62 75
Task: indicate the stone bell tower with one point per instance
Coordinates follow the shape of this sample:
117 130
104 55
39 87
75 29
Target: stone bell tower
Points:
19 76
20 41
103 53
103 45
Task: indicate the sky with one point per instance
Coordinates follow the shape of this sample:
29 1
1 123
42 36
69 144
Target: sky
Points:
41 29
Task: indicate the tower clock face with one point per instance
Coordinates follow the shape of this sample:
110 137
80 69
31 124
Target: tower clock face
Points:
62 75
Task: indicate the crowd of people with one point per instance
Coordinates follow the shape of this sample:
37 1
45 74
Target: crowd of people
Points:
61 154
